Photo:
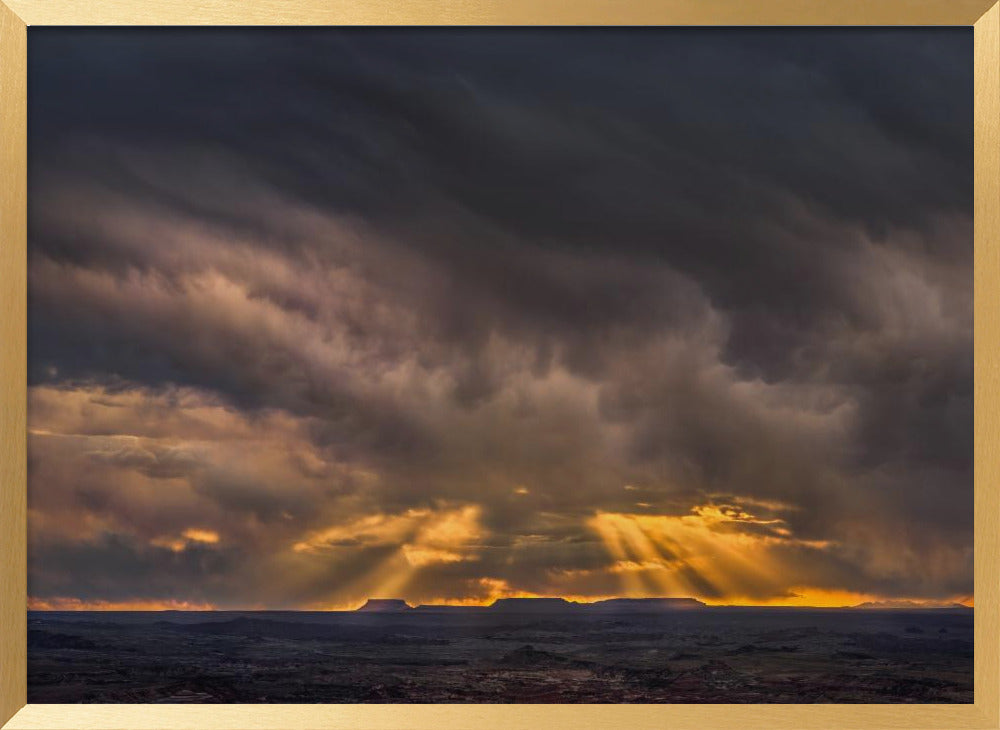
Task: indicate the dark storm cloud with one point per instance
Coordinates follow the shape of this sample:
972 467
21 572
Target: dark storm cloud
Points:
128 569
551 274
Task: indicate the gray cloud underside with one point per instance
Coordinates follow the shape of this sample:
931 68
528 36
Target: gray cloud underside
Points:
320 275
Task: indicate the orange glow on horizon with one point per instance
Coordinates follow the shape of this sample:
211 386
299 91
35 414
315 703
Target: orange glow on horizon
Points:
804 598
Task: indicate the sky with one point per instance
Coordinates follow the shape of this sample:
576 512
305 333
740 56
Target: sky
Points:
451 315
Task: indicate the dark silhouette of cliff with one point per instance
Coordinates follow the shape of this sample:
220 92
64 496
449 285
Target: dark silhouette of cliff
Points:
385 605
533 605
644 605
544 605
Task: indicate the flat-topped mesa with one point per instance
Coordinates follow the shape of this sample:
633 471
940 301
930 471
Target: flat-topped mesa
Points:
644 605
533 605
385 605
541 605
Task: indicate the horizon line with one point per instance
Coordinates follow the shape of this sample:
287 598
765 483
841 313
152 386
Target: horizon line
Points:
144 606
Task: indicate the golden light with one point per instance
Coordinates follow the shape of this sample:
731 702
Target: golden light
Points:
420 538
715 551
190 535
195 534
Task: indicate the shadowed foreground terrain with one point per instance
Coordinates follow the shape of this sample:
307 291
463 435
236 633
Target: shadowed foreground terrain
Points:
496 655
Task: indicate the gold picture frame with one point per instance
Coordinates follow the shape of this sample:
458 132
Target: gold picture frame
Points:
16 15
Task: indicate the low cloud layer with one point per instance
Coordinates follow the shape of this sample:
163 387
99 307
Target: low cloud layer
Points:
451 315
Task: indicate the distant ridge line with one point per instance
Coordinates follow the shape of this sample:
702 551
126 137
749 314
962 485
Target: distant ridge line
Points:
540 605
907 605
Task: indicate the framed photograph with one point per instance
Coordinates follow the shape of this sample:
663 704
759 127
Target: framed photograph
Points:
412 365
